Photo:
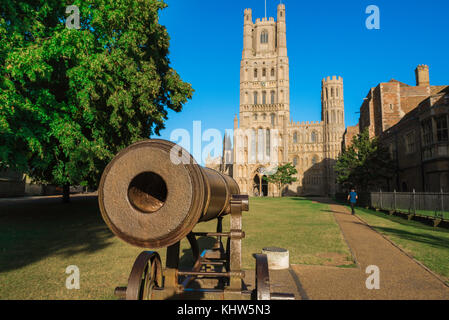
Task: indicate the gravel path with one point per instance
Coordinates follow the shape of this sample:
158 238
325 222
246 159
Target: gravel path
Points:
400 276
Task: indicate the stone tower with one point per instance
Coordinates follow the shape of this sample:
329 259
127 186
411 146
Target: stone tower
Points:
264 134
264 98
333 117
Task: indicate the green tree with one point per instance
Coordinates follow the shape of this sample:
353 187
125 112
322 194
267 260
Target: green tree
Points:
70 99
365 164
283 176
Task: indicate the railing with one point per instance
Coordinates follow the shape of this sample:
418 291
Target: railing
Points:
425 204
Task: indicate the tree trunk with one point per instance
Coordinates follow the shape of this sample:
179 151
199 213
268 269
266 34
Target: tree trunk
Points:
66 193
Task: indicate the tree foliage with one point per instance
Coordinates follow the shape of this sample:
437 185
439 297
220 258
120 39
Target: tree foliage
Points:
71 99
283 176
365 164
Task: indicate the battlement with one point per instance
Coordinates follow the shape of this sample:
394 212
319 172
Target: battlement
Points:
264 20
248 16
305 123
422 67
333 80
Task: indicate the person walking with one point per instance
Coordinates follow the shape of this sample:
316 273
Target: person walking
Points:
352 197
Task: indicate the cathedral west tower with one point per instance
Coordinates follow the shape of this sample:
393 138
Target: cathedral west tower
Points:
264 117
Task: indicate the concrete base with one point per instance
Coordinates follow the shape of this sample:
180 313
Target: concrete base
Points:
278 258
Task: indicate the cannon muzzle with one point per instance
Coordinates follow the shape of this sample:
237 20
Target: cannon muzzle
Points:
153 193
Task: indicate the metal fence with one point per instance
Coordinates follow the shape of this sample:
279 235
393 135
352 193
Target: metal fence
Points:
427 204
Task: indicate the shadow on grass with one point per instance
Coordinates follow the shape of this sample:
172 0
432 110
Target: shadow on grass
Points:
34 229
417 237
299 199
186 259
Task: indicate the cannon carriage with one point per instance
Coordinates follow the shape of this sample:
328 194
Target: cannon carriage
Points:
151 195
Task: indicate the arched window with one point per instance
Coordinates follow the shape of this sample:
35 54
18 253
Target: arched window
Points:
255 117
295 137
338 92
260 144
272 97
272 119
272 72
332 92
264 72
255 73
333 116
268 143
264 37
255 97
295 161
264 97
314 160
313 137
253 145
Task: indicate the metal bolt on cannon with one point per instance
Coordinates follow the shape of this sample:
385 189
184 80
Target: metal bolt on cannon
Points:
150 201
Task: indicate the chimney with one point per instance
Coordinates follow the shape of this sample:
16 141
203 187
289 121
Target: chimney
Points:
422 75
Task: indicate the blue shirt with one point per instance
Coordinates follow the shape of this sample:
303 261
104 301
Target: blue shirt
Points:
352 196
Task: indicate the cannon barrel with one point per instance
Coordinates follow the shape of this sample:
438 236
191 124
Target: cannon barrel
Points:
153 193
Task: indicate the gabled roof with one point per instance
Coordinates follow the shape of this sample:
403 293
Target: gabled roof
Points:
402 84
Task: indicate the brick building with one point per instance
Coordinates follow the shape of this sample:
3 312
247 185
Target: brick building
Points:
412 121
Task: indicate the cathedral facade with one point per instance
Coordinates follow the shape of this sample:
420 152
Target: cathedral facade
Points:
264 134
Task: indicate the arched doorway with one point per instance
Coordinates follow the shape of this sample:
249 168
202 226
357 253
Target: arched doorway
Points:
264 187
256 187
260 188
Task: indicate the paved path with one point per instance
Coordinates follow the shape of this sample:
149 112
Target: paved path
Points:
400 276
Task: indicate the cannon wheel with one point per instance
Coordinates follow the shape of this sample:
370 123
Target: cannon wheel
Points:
262 291
145 275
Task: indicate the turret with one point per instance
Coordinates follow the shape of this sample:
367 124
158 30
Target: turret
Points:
332 101
281 31
247 33
333 116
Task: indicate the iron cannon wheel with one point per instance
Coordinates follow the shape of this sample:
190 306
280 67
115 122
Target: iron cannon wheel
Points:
145 276
262 291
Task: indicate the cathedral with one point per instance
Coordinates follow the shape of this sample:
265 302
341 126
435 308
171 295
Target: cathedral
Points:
264 135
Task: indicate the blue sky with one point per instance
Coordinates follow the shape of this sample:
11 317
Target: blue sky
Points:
324 38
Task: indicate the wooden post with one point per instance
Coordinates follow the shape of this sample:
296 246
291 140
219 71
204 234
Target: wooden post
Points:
414 201
381 204
394 196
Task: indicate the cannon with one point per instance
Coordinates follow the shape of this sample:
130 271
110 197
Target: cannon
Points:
152 195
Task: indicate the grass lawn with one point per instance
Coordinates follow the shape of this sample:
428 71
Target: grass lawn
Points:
39 239
426 244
